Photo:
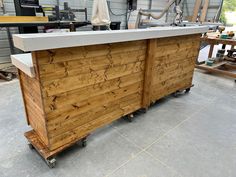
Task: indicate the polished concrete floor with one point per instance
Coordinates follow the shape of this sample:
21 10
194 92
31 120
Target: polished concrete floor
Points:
193 135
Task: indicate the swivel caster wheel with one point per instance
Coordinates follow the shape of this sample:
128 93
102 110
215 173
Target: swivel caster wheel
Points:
187 90
51 162
176 94
31 146
144 110
130 117
84 142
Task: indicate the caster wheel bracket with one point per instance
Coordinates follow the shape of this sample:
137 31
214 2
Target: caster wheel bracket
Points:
31 146
51 162
84 142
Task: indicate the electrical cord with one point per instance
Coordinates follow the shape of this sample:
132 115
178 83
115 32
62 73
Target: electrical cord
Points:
127 14
109 8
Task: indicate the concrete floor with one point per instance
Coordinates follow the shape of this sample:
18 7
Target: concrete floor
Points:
193 135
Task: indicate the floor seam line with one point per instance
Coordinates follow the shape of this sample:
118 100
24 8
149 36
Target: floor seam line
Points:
163 163
145 149
116 169
173 128
127 139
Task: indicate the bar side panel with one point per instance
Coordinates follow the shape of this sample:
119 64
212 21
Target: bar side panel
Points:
33 105
174 64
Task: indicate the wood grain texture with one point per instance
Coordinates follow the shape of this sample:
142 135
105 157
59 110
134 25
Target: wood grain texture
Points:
84 88
22 19
148 76
204 11
174 65
196 10
33 105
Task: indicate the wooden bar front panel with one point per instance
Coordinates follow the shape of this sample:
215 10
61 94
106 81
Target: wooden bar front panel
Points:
84 88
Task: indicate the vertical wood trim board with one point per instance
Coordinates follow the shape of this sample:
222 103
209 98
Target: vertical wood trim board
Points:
204 11
148 74
196 9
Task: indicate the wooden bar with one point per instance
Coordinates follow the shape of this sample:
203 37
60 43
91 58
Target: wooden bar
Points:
76 90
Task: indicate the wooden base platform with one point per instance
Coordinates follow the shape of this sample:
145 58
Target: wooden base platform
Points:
44 152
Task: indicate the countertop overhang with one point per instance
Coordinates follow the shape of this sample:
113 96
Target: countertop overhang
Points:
44 41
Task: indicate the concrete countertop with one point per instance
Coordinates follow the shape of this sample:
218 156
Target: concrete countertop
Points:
44 41
24 63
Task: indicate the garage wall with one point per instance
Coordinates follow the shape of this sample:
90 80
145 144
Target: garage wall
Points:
117 6
210 13
4 44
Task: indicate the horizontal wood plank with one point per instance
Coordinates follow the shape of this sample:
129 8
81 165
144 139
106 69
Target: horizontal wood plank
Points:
83 66
115 112
22 19
33 105
94 77
77 53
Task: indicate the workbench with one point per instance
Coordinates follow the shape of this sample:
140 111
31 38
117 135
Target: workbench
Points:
61 24
74 83
224 67
72 25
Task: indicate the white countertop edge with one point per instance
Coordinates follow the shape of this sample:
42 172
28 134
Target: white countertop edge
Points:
24 63
44 41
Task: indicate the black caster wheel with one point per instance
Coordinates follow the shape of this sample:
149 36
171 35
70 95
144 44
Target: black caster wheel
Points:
84 142
130 117
144 110
187 90
51 162
31 146
176 94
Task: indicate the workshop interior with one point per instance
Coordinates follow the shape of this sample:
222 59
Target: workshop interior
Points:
125 88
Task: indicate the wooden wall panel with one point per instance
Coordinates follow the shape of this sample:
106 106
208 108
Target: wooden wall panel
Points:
87 87
174 65
33 105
